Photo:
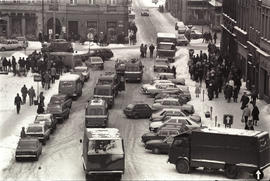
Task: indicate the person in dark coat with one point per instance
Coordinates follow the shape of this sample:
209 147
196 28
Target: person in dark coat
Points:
229 93
254 96
210 90
174 71
255 114
47 79
215 38
23 135
235 94
145 50
31 95
40 109
41 99
151 49
18 102
141 50
14 63
244 100
24 92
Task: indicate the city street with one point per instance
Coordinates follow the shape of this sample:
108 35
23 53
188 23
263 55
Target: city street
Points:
61 157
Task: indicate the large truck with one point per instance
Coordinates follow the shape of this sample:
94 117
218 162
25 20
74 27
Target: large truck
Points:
166 46
105 92
134 70
103 153
219 148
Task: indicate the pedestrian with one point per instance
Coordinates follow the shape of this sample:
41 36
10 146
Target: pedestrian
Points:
197 90
18 102
210 90
215 37
151 49
40 109
255 114
174 71
53 74
249 125
141 50
235 94
47 80
23 135
246 114
145 50
14 65
24 92
9 65
31 95
41 99
229 93
244 100
254 96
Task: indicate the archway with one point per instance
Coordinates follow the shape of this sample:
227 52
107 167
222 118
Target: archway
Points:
3 28
58 27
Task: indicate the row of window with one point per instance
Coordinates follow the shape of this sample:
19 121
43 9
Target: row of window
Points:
73 2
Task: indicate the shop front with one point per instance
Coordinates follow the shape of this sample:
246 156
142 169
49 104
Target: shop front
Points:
264 76
241 62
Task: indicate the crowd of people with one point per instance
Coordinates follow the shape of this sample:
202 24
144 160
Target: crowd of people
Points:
144 48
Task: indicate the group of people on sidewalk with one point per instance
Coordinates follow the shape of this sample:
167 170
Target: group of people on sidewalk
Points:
143 50
18 101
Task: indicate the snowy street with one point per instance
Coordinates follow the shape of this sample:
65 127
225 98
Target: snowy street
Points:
61 157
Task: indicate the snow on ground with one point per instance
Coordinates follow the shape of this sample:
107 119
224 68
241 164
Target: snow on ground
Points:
34 45
148 3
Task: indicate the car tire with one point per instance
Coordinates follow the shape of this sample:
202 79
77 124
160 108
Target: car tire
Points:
182 166
231 171
156 151
3 49
44 142
136 116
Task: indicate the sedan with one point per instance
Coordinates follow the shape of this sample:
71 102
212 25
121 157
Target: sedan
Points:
160 115
145 12
104 53
182 40
95 62
159 145
138 110
84 70
28 147
49 120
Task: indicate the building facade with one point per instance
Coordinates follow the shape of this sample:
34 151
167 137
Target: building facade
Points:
66 18
253 42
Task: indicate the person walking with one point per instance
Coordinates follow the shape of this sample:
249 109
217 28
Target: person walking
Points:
40 109
145 50
41 99
23 135
246 114
31 95
18 102
255 114
53 74
235 94
174 71
24 92
254 96
47 80
215 37
244 100
14 65
151 49
197 90
141 50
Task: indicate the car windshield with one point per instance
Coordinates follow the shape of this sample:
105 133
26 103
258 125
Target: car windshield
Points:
102 147
95 60
166 46
132 68
104 92
105 81
95 111
34 129
27 144
66 84
130 106
79 70
56 100
41 119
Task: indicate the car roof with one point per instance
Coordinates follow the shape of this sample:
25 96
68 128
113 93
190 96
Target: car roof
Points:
171 109
28 138
102 133
167 35
96 102
69 77
36 124
170 99
96 58
80 67
47 115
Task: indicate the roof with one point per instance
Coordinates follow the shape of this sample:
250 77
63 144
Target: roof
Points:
215 3
28 138
231 131
36 124
170 99
44 115
81 67
69 77
96 102
102 133
166 35
171 109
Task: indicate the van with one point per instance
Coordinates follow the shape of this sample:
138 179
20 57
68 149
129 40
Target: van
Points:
71 85
180 27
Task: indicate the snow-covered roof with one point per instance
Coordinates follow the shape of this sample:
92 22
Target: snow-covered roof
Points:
215 3
103 133
44 115
80 67
231 131
69 77
97 102
166 35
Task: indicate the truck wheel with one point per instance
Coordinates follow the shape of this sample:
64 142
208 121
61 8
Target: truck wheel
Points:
182 166
88 177
155 151
231 171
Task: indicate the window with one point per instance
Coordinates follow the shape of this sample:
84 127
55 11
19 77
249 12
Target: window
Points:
73 2
92 2
163 133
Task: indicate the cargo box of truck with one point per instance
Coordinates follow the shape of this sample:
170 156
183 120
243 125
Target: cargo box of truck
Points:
219 148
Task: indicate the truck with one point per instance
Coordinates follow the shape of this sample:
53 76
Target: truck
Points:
166 46
112 78
134 70
105 92
103 153
232 150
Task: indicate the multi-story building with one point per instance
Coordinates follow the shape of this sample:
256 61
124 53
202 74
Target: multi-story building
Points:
253 44
64 17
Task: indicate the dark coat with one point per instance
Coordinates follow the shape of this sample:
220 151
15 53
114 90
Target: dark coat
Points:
40 109
24 91
18 100
255 113
244 99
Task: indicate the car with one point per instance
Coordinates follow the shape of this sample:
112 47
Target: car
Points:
104 53
173 103
161 65
193 33
138 110
173 120
171 77
10 44
57 45
158 116
28 147
80 74
155 82
59 106
183 96
23 41
154 90
48 119
159 145
160 134
84 70
40 131
145 12
95 62
182 40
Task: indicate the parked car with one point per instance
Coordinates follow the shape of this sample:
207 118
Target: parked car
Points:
23 41
59 106
173 120
145 12
28 147
40 131
10 44
194 33
95 62
104 53
155 82
183 97
48 119
182 40
84 70
158 116
80 74
161 65
154 90
170 76
160 134
159 145
138 110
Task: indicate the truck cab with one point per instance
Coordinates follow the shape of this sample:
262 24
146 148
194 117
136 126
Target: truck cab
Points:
166 46
105 92
134 70
103 153
96 113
